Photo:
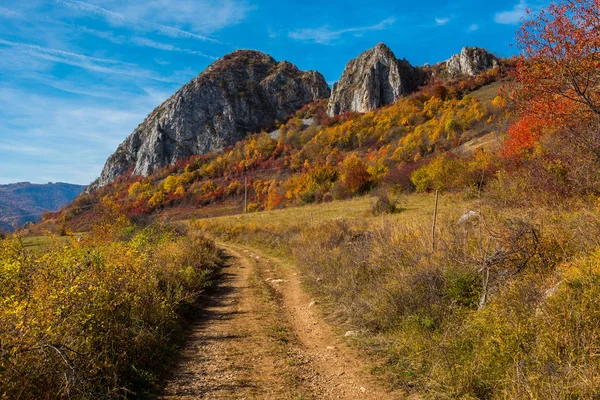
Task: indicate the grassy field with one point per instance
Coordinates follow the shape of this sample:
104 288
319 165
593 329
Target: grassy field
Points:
482 315
488 92
43 241
415 206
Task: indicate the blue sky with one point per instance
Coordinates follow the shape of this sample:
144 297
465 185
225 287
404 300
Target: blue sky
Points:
77 77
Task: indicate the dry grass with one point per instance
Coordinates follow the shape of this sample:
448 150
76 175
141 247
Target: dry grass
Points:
414 207
488 92
42 242
472 319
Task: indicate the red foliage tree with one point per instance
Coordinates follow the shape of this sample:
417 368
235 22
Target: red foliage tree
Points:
559 72
524 134
355 175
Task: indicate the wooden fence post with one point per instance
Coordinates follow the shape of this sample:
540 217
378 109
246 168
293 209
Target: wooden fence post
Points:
435 210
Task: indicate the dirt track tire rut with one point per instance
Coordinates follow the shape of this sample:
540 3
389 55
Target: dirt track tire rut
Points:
258 338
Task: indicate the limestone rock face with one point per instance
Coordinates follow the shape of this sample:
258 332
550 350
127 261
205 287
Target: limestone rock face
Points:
470 62
373 79
242 93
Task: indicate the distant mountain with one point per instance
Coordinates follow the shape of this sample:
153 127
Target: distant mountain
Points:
26 202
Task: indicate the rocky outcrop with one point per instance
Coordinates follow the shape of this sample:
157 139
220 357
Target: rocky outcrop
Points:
373 79
470 62
242 93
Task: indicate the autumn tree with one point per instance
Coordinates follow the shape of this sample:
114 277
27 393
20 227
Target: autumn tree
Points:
559 70
355 175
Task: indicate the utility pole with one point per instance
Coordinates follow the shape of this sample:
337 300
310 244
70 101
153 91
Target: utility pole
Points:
435 210
245 192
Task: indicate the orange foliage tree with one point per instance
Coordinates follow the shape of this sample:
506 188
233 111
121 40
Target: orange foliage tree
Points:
524 134
559 71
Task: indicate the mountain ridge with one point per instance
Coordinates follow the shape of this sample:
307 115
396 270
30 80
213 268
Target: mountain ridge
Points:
247 91
25 202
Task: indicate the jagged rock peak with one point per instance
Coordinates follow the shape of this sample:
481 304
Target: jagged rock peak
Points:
373 79
241 93
470 62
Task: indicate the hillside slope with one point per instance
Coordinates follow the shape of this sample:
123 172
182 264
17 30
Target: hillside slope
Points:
332 158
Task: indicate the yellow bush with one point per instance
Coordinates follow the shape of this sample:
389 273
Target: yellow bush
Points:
95 321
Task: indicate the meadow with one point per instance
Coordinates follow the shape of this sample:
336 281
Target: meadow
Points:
503 306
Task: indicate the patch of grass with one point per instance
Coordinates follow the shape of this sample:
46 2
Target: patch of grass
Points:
44 241
487 93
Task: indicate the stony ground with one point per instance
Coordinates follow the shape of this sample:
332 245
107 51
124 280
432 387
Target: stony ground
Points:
261 337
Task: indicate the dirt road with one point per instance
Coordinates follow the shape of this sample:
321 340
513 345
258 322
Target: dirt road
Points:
262 338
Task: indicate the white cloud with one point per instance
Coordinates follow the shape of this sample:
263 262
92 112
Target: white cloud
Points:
473 28
188 19
8 13
140 23
325 35
442 21
93 64
514 16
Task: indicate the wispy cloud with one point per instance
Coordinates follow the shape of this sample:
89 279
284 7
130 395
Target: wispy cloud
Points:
442 21
473 28
198 16
89 63
514 16
68 139
141 42
325 35
121 18
58 53
28 150
8 13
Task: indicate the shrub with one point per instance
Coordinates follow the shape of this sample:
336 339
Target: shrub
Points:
233 188
386 202
96 320
355 175
253 207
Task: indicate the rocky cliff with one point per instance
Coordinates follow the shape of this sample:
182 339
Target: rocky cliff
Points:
470 62
242 93
373 79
